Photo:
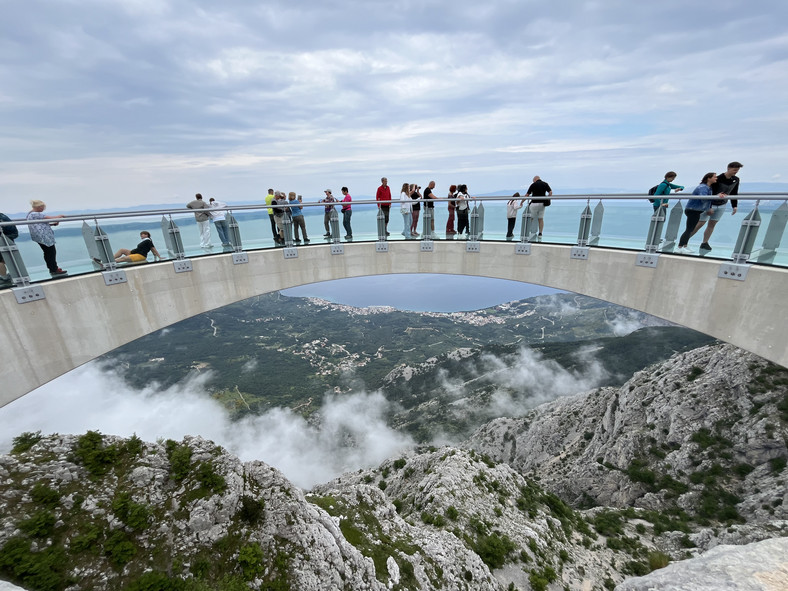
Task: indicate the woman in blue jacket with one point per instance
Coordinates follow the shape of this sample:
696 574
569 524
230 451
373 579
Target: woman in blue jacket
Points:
695 207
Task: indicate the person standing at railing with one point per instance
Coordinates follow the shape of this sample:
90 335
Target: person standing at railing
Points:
664 188
462 210
11 233
406 209
203 219
727 184
429 204
452 207
539 188
696 207
268 200
383 197
298 216
511 213
279 216
329 198
347 212
219 217
43 235
415 196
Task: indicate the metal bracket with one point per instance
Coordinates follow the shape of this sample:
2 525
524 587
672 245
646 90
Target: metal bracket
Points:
579 252
427 246
240 258
337 249
646 259
290 252
522 248
29 293
733 271
114 277
182 265
382 246
473 246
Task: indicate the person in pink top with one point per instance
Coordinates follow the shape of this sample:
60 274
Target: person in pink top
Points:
346 213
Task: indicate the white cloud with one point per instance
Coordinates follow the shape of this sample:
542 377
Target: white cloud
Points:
351 434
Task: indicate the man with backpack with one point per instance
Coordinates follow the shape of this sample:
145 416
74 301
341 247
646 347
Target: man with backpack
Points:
11 233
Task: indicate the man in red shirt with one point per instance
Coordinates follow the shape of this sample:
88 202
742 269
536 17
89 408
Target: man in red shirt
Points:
383 196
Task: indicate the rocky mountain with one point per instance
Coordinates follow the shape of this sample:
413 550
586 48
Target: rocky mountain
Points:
580 493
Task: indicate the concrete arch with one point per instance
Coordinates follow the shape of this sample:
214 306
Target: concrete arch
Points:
81 318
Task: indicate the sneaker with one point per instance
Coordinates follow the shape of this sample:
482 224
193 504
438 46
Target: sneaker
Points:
327 235
388 234
97 261
59 271
705 246
414 234
306 240
349 237
685 250
298 241
539 234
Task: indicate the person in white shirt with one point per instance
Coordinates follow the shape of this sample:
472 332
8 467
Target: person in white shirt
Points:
219 218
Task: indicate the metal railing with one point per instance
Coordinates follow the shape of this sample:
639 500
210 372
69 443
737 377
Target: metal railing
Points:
660 237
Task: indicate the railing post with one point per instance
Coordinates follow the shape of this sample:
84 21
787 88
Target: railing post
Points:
333 221
13 261
673 227
99 248
774 234
426 243
596 224
381 245
654 236
174 242
747 235
472 244
581 250
234 235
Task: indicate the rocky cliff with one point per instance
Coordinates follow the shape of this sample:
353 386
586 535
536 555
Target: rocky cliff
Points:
580 493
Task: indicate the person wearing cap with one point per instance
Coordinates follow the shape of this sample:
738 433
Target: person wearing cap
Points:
219 219
329 198
43 235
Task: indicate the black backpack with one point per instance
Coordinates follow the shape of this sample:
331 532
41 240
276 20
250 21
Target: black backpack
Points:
652 191
11 231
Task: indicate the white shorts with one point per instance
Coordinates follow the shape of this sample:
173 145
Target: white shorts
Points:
537 211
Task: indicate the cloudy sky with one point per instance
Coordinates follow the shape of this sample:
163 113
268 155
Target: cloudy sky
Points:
106 102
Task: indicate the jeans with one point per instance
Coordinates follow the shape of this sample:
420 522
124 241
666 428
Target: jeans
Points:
462 221
221 228
407 220
346 221
510 222
205 233
692 220
50 257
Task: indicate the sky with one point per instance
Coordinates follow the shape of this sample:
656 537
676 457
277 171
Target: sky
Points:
128 102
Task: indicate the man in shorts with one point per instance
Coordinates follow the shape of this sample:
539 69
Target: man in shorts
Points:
539 188
727 184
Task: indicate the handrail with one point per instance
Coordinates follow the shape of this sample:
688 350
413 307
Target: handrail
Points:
492 198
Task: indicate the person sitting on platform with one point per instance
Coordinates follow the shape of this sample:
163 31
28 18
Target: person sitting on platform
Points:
138 254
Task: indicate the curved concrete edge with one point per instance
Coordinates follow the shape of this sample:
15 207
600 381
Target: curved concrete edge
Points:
81 318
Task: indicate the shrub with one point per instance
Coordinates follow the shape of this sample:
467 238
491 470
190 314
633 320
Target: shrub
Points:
25 441
210 479
452 513
250 559
657 560
494 549
134 515
44 496
43 570
94 455
119 548
180 457
39 525
251 510
777 465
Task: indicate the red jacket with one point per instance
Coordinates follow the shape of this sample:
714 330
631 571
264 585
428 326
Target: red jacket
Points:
383 194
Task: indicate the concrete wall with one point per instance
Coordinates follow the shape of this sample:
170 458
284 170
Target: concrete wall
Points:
81 318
